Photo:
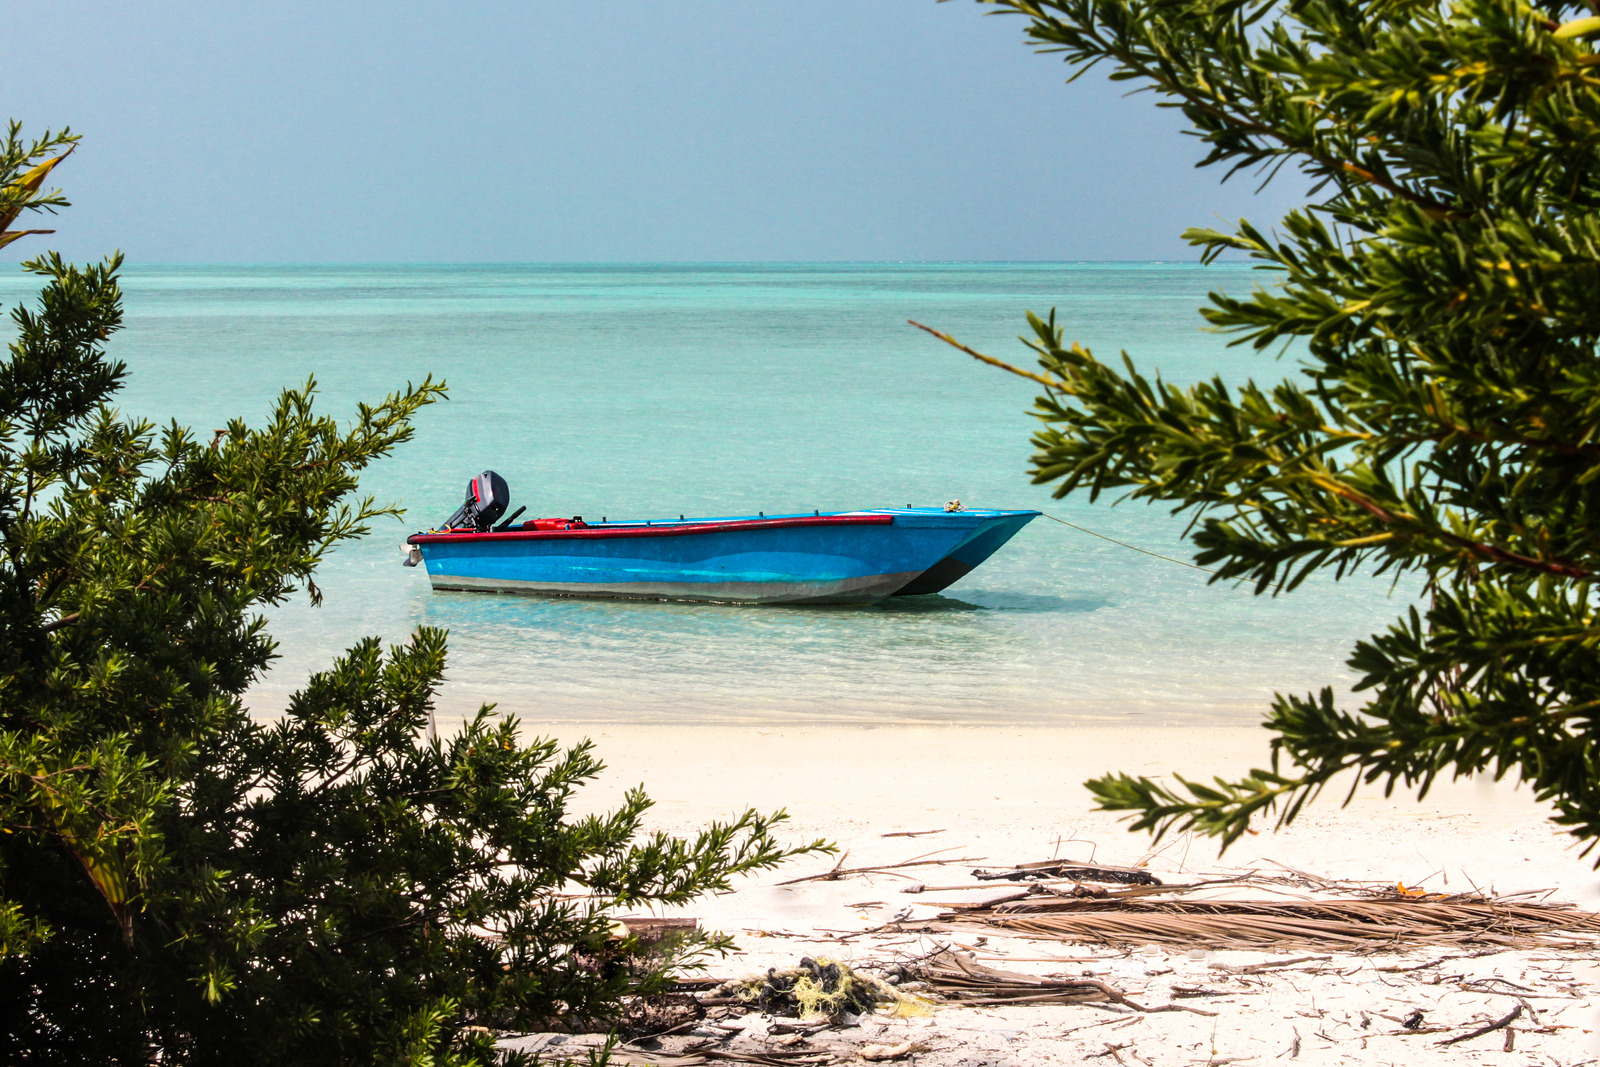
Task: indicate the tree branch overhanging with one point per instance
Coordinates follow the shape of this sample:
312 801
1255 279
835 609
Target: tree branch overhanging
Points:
1438 291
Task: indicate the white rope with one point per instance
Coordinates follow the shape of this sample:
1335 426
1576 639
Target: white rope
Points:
1124 544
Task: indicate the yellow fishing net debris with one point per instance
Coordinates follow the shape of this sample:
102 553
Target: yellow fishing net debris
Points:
824 988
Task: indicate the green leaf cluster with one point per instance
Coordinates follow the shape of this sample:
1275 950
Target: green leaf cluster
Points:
1441 296
182 883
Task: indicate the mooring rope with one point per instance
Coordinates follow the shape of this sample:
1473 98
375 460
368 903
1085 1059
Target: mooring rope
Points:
1124 544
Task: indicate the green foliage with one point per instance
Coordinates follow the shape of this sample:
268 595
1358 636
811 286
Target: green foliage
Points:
23 171
1444 290
180 882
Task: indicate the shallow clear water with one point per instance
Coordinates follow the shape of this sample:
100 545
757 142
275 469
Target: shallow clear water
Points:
640 391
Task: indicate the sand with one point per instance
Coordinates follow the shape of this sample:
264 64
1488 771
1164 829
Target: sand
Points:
1006 795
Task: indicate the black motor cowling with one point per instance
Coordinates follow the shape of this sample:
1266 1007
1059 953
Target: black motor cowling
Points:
487 499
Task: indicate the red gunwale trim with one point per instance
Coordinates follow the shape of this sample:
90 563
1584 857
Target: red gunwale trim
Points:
672 530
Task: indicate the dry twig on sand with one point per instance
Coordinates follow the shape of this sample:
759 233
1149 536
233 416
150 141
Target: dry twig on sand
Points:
1075 872
1278 965
1480 1031
839 870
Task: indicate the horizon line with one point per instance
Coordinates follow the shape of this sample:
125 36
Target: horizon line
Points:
681 263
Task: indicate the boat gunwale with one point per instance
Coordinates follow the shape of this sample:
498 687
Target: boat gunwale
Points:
669 529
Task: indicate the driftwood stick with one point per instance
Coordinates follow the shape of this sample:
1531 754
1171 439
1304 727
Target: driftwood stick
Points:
1442 959
1489 1029
1114 1051
1168 1007
839 872
1117 1021
1274 965
1117 996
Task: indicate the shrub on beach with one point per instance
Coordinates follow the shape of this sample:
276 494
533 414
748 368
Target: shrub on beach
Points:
180 883
1442 292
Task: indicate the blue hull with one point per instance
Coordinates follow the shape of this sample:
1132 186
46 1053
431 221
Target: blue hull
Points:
843 557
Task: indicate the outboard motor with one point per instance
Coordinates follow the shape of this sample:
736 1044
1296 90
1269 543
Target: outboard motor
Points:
487 498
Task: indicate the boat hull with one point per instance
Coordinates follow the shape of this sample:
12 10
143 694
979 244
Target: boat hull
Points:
780 591
840 558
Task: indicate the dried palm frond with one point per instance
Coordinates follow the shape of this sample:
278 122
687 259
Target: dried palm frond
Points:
1366 923
958 978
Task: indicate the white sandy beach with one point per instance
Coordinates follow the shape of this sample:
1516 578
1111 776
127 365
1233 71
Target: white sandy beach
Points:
1010 795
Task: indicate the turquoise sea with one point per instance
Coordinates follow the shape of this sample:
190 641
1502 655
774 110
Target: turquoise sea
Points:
641 391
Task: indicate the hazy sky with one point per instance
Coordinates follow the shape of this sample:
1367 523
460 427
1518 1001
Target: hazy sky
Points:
639 130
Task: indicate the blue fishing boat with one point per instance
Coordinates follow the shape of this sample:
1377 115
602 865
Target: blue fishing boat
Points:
836 557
